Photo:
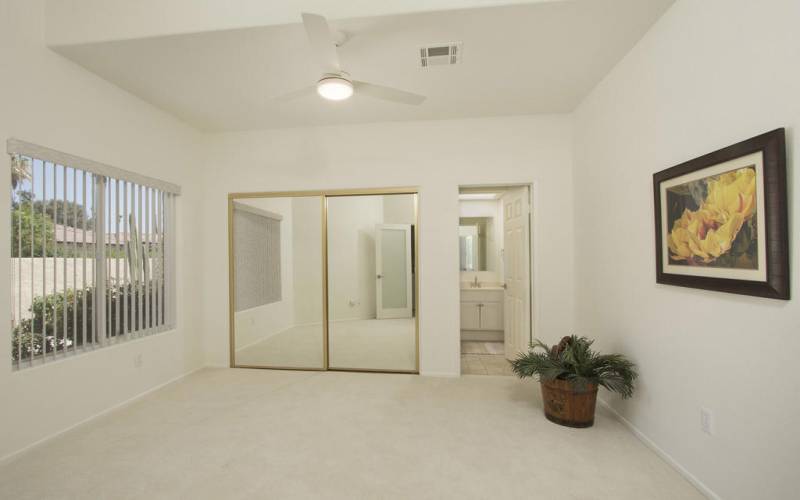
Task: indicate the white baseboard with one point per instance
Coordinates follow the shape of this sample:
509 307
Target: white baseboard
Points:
36 444
440 374
705 490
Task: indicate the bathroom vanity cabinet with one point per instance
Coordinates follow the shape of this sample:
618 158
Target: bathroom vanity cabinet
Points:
482 314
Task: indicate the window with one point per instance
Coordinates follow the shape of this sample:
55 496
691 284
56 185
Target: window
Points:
92 252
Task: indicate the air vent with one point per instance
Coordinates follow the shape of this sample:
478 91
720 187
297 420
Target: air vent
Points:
440 54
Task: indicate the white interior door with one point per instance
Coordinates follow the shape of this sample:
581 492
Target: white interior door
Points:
394 286
516 239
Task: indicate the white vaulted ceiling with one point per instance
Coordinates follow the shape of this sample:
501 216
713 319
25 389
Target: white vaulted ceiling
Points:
517 59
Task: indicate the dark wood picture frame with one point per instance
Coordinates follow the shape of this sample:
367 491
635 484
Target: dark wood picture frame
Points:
773 147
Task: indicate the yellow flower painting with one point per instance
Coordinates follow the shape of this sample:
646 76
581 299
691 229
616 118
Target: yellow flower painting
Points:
712 221
721 220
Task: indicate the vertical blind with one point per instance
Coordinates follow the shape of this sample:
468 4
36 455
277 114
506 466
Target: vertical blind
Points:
257 239
92 254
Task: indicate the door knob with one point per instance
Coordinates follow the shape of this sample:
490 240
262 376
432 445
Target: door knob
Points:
380 276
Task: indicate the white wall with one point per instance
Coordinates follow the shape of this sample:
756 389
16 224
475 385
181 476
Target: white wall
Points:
49 101
307 259
432 155
351 256
398 209
710 73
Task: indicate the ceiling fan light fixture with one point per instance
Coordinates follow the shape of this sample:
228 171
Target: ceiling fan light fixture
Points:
335 84
335 88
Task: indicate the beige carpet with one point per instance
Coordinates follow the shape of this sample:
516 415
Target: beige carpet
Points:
263 434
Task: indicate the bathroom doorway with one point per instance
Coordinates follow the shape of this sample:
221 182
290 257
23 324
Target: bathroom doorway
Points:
494 236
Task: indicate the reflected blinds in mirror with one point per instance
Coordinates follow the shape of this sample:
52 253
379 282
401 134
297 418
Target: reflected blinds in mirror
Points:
257 239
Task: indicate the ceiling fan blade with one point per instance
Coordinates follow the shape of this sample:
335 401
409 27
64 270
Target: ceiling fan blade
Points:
322 43
388 93
290 96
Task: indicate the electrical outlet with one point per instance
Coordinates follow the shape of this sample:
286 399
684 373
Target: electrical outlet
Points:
137 361
707 421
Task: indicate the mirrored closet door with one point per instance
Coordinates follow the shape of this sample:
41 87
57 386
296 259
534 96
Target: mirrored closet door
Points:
277 282
371 275
324 280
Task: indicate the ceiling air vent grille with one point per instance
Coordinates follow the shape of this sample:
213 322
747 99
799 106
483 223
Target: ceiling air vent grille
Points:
440 54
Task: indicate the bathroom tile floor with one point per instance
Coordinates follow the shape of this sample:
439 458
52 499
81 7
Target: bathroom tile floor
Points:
484 358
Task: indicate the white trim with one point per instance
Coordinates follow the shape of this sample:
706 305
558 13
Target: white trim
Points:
533 246
440 374
16 146
705 490
15 454
257 211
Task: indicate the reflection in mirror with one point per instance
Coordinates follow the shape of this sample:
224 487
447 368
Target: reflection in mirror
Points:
277 292
371 276
476 236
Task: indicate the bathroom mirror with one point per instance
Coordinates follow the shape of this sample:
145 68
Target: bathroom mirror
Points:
477 246
277 295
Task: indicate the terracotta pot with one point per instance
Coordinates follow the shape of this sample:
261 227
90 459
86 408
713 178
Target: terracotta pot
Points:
564 405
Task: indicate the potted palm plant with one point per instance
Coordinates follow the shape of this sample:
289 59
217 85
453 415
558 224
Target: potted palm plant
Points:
570 373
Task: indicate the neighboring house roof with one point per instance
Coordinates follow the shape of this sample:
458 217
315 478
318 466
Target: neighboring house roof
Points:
69 234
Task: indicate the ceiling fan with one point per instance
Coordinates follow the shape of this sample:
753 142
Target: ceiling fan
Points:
336 84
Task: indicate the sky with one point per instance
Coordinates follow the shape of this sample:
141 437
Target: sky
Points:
61 182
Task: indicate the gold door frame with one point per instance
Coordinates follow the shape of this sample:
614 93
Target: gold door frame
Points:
323 195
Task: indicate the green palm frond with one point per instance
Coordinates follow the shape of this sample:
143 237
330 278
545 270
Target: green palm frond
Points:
538 343
20 170
574 360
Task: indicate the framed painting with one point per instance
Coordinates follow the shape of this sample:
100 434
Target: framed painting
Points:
721 220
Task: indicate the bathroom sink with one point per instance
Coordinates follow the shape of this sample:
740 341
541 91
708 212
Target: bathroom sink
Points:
483 286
